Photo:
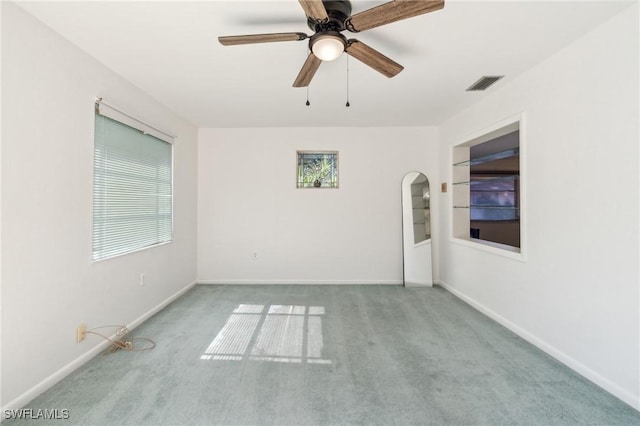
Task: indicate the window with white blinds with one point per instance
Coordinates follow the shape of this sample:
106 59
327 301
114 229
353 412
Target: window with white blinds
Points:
132 188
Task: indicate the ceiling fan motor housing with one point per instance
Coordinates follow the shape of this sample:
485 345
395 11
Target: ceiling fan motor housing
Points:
338 11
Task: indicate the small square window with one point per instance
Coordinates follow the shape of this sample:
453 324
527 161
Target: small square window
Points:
317 169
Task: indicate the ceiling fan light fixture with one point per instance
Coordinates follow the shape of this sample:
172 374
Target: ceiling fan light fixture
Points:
328 45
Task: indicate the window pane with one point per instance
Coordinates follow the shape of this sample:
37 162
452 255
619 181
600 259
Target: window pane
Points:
133 191
494 198
317 169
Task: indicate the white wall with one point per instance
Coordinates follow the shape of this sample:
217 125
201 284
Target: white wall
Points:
248 202
1 33
576 294
49 283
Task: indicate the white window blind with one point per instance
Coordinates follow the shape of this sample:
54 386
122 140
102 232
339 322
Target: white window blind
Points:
132 188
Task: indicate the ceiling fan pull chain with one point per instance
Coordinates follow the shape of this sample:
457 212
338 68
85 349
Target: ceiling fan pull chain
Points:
348 104
307 103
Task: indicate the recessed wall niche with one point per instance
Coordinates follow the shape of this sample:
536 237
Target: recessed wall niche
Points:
487 194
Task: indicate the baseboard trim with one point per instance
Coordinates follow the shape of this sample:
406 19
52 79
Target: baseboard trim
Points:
54 378
300 282
583 370
416 284
151 312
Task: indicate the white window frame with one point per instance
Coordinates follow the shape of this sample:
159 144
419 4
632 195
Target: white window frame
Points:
105 246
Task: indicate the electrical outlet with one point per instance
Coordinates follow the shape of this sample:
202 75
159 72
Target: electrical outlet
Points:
141 279
81 333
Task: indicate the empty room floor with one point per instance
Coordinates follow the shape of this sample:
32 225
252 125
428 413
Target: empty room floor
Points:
327 355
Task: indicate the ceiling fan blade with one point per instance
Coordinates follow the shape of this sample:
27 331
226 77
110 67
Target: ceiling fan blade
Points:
314 9
260 38
373 58
395 10
308 70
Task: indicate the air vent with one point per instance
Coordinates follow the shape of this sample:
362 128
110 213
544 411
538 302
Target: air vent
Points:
484 83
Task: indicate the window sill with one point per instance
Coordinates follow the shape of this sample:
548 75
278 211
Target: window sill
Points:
515 253
115 256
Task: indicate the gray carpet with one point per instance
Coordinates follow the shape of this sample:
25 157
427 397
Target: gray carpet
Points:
328 355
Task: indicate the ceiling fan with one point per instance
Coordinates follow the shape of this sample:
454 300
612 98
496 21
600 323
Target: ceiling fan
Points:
328 19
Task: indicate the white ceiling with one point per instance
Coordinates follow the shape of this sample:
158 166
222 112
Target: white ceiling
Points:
170 50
